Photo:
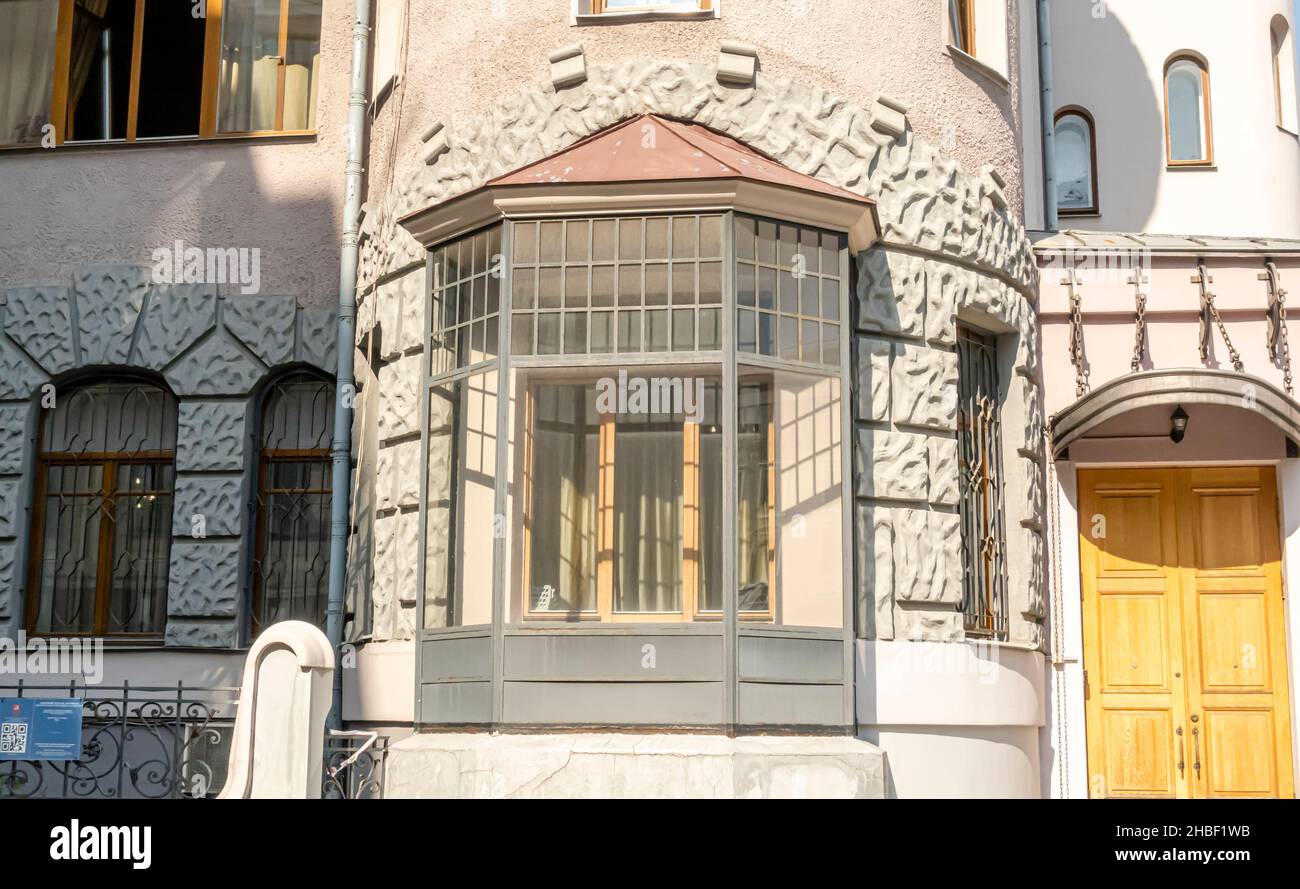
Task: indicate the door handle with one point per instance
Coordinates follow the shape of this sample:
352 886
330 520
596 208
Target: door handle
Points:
1196 749
1181 763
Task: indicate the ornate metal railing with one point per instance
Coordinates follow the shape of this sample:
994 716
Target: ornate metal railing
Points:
354 765
137 742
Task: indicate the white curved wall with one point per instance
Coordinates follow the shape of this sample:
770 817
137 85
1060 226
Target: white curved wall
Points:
1113 65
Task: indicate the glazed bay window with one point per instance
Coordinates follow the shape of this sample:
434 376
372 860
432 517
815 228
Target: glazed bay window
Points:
636 440
128 70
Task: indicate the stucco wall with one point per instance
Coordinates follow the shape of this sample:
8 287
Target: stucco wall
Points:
460 66
1113 65
73 206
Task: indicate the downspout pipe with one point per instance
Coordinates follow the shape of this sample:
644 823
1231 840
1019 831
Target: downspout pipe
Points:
345 384
1046 112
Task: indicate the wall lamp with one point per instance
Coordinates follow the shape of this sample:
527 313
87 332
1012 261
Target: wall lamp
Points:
1178 424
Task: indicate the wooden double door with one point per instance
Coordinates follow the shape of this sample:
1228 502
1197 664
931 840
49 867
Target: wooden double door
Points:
1184 635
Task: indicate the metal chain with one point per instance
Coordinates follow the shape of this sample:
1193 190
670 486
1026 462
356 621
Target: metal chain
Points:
1139 332
1278 334
1208 307
1223 332
1076 339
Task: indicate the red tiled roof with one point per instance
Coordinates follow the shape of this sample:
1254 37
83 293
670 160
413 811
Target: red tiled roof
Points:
652 148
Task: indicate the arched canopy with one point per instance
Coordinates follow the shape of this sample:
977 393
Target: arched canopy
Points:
1183 385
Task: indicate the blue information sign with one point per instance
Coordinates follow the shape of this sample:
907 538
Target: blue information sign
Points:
40 728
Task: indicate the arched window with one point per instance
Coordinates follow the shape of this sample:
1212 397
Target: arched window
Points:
1284 73
291 565
1189 135
102 526
1076 162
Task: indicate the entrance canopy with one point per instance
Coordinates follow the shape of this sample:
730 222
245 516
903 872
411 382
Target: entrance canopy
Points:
1183 385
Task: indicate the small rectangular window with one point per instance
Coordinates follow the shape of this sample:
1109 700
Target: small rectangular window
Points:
611 7
961 17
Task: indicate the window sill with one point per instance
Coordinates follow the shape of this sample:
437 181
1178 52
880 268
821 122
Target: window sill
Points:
582 20
1290 132
1078 214
964 58
289 137
1206 166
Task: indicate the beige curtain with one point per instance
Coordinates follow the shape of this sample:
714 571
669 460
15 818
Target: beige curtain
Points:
27 39
648 518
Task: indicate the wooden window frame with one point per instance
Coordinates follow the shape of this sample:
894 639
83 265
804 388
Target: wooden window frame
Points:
1094 208
208 105
599 7
964 39
108 463
1207 125
605 512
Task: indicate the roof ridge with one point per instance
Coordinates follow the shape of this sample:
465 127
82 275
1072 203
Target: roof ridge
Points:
689 138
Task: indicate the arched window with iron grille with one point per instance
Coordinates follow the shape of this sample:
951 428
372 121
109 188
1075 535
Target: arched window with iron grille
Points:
102 523
291 562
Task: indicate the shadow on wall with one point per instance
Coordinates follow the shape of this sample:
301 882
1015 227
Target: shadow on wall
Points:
1127 107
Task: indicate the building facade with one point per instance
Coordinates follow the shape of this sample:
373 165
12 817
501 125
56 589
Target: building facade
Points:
700 423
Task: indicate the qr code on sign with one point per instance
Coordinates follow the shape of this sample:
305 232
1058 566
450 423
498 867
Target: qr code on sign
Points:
13 737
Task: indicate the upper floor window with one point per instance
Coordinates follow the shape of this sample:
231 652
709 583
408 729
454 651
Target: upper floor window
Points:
291 565
1284 73
644 7
1076 162
1188 133
102 526
961 17
126 70
979 445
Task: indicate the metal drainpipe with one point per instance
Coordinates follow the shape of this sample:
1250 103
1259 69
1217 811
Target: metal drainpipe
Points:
345 387
1046 112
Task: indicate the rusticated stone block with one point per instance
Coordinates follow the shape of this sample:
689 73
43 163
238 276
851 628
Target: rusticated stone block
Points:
201 634
13 437
946 287
216 501
873 378
1024 423
383 594
399 398
892 465
9 510
212 434
8 580
891 292
945 488
927 557
175 316
924 391
109 300
406 472
408 336
1026 574
265 324
40 320
217 367
203 580
318 338
875 541
388 314
1027 343
408 559
18 376
1025 497
924 625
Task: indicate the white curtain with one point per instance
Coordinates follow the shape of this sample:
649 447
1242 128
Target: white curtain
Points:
27 38
648 518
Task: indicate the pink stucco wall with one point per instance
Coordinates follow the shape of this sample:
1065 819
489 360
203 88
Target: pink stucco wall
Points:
462 65
71 206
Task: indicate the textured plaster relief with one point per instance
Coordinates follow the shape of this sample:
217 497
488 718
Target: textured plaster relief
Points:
201 634
944 485
109 300
1027 432
873 379
318 338
406 472
891 292
409 333
218 366
385 480
927 557
399 398
892 465
216 499
8 580
13 437
875 532
215 433
388 309
264 324
927 626
408 542
40 320
9 510
1026 504
175 316
925 387
383 593
18 377
946 288
204 579
1027 573
925 199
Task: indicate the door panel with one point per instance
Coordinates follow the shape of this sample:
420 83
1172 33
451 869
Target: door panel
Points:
1135 699
1184 640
